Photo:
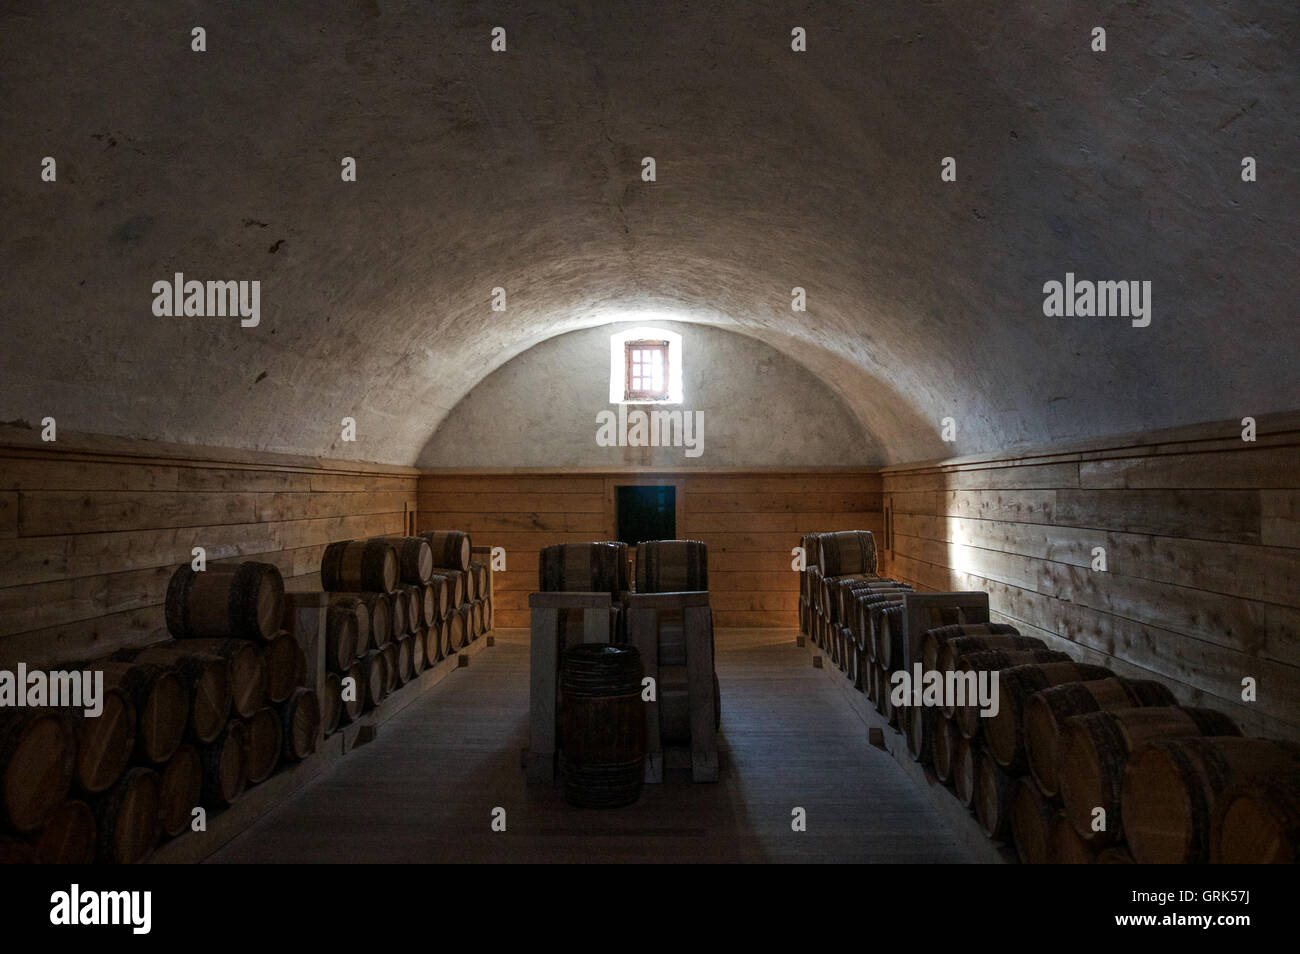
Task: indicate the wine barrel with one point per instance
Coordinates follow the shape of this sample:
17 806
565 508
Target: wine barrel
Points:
374 678
884 698
918 730
392 678
439 589
933 640
1257 821
126 818
891 636
963 770
873 614
399 608
206 680
994 787
846 551
668 566
343 632
38 756
451 548
1003 733
248 674
465 612
991 660
1095 748
244 600
262 733
602 726
839 589
378 607
943 748
1170 788
455 588
283 661
1047 709
480 627
161 706
471 584
104 742
414 605
1067 846
954 649
352 697
454 627
414 558
68 836
849 588
404 658
849 661
425 600
180 791
359 566
581 567
225 766
331 704
435 642
1032 817
419 651
811 551
483 579
300 718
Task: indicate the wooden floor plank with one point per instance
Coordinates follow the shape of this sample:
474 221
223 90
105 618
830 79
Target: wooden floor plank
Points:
425 788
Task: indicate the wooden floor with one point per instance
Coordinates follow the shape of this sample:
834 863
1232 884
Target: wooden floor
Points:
425 788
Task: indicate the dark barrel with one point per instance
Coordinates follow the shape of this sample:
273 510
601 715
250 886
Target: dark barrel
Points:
602 725
846 551
581 568
450 548
668 566
244 600
359 565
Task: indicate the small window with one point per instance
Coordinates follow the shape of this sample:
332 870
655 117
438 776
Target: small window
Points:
646 364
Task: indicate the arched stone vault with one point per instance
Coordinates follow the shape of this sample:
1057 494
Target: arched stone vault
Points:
521 170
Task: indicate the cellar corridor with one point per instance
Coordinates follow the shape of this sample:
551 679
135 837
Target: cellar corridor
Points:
425 788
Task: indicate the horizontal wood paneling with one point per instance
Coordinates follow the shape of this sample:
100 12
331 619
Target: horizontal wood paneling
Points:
750 522
95 540
1201 584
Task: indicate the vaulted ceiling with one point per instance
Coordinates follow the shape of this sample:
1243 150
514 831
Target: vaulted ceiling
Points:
522 170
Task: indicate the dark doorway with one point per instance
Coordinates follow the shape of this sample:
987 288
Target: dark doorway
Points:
646 513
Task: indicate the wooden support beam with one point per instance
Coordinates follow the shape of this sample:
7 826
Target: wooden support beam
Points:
699 674
643 633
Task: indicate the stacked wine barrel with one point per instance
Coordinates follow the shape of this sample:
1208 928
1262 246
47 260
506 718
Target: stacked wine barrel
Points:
1079 765
600 566
397 606
185 724
1069 741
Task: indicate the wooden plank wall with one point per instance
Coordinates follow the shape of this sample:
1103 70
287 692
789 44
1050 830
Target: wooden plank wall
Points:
750 522
1202 540
88 540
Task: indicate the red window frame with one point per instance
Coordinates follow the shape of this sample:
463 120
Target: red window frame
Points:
637 379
